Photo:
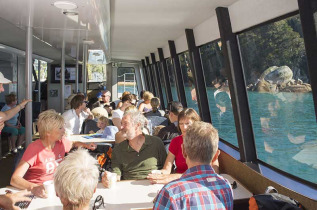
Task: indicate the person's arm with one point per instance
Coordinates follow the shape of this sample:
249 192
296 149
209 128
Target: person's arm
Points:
167 169
117 122
18 181
90 146
119 105
8 201
11 112
88 114
141 107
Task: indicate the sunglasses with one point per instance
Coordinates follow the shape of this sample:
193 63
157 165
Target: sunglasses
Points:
98 202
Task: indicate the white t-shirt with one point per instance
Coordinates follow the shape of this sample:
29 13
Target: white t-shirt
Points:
117 114
73 123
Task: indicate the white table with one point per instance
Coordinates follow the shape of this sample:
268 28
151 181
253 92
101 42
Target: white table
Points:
81 138
134 194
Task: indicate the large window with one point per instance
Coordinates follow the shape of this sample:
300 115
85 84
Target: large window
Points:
218 91
126 80
188 79
171 76
280 97
162 85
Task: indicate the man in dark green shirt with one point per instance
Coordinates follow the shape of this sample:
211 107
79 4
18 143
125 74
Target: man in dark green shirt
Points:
137 156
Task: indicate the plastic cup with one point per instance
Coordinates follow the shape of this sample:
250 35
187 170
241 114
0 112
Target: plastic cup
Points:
49 188
112 178
156 172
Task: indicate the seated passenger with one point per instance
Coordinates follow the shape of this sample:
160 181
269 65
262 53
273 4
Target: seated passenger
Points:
171 131
200 187
137 156
155 103
121 102
146 106
118 113
186 118
13 125
76 180
42 156
102 123
74 118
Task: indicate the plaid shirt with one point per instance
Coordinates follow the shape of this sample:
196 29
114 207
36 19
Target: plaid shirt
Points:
199 188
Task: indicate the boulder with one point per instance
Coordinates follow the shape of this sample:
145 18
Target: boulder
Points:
280 75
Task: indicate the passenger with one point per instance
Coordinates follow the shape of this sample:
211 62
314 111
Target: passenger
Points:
104 101
76 180
13 125
9 200
171 131
4 116
74 118
141 98
41 157
118 113
120 102
186 118
200 187
145 106
102 123
137 156
155 103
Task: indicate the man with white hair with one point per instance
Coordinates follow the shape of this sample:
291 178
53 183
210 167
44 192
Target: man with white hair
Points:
199 187
76 179
137 156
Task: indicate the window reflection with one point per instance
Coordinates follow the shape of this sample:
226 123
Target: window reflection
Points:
171 76
218 91
280 98
162 85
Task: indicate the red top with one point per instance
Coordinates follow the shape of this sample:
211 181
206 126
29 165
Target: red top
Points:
43 162
176 149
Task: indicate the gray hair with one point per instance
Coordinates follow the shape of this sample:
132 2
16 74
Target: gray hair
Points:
137 116
201 142
76 177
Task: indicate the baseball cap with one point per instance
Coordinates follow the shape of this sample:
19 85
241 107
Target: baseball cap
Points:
110 132
3 80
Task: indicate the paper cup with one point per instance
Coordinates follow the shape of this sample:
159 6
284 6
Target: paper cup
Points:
112 178
156 172
49 188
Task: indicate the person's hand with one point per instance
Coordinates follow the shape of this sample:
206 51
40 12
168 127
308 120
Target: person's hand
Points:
91 146
91 132
159 178
104 180
10 199
39 191
24 102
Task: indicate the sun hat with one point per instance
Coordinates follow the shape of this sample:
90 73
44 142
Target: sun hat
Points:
3 80
110 132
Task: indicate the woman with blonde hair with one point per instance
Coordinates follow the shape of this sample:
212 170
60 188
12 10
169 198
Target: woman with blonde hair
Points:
146 105
42 156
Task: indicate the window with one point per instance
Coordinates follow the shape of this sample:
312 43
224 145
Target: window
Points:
96 72
171 76
280 97
218 91
126 81
162 85
188 79
43 70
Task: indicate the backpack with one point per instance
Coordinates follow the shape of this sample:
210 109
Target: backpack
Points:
273 201
103 155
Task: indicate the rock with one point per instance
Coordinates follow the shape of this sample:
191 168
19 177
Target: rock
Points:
280 75
297 89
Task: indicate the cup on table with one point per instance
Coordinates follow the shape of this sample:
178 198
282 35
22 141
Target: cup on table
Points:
156 172
49 188
112 178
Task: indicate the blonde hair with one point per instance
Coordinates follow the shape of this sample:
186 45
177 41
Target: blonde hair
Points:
76 178
49 120
147 96
104 120
201 142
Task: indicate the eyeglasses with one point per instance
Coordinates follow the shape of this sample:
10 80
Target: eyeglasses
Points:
98 202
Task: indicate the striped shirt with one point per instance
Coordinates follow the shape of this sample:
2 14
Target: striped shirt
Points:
198 188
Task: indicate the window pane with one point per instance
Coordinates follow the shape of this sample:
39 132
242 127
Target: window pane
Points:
218 91
171 76
280 98
162 85
189 83
126 81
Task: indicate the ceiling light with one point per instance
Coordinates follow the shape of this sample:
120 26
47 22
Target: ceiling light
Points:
70 13
65 5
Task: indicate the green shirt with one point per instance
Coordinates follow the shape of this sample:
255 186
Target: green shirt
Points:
130 164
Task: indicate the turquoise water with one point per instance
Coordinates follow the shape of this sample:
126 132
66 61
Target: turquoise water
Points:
284 126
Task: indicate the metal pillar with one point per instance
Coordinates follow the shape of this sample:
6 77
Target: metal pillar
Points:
62 78
85 69
77 68
157 81
39 80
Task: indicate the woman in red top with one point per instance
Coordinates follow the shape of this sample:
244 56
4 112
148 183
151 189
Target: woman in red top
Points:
187 117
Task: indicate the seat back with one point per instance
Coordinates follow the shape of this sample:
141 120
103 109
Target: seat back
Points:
156 121
90 125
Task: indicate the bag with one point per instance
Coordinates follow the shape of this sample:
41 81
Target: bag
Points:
273 201
103 155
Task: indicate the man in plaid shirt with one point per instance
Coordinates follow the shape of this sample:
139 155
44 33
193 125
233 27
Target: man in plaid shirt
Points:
199 187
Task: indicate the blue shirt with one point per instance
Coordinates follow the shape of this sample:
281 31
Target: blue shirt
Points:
14 119
198 188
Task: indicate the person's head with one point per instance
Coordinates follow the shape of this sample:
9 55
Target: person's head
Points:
76 179
155 103
3 80
127 100
134 99
132 123
201 142
142 94
147 96
102 122
11 99
124 94
174 108
78 102
105 96
51 124
187 117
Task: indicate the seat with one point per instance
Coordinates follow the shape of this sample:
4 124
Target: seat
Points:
89 125
156 121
